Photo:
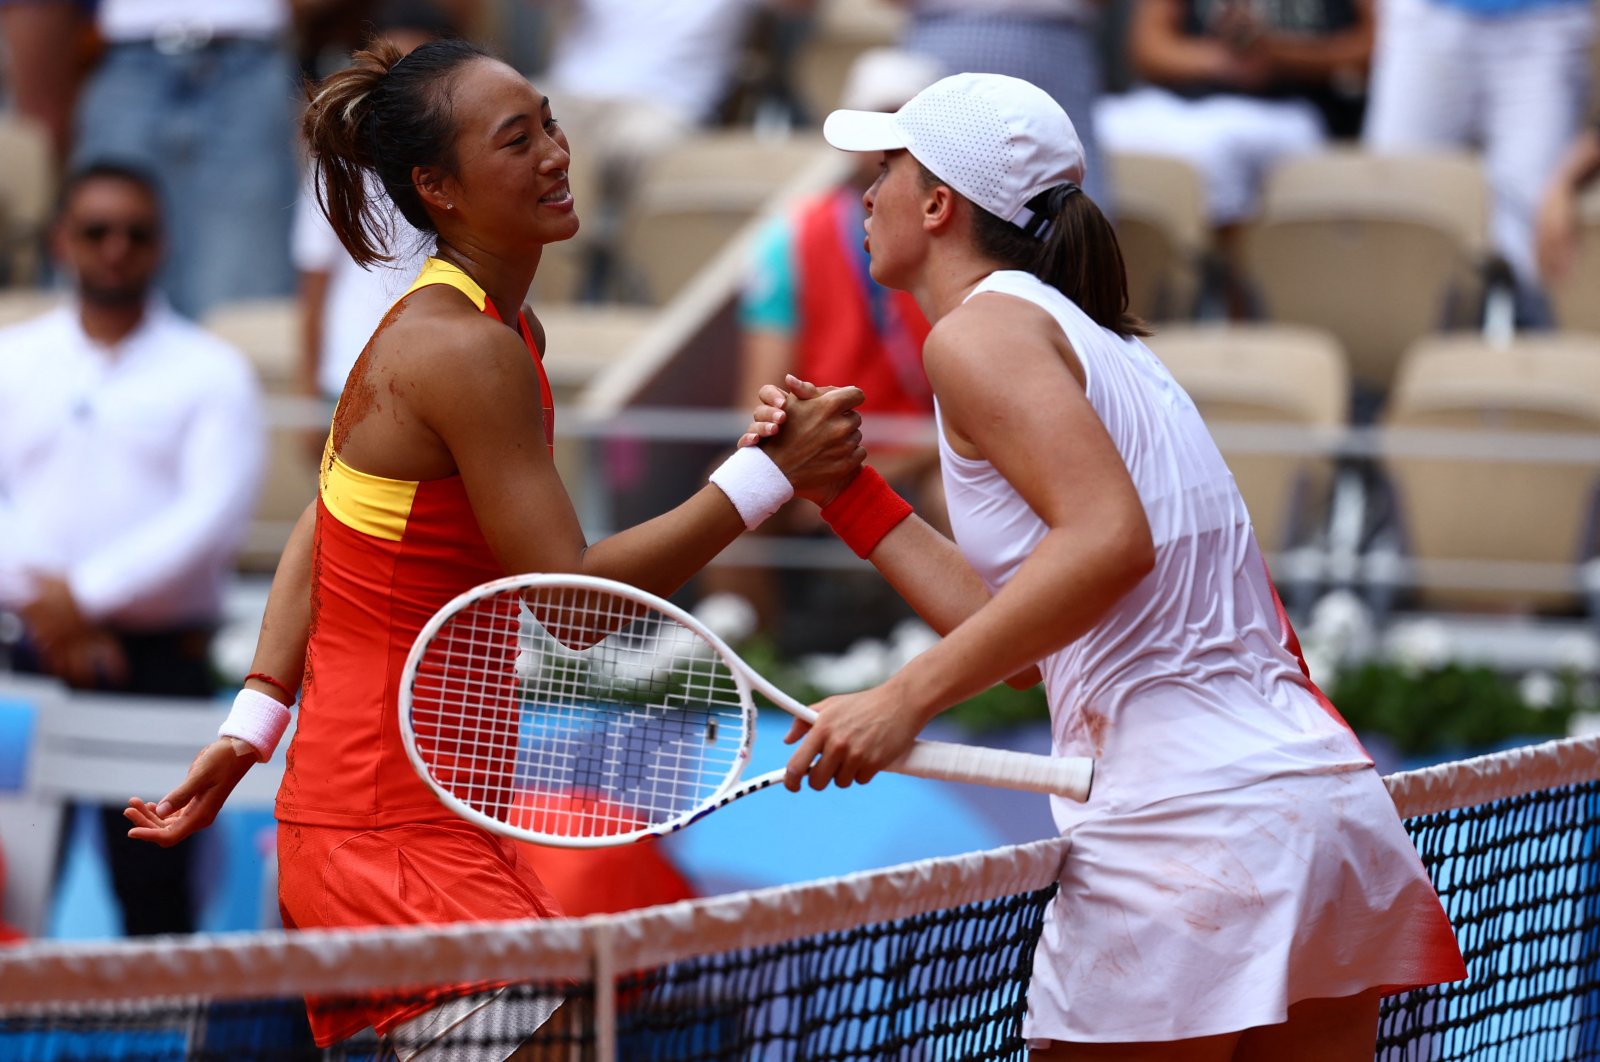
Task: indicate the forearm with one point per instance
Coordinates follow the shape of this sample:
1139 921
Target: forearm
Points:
313 299
286 624
1582 163
1055 597
929 572
1303 58
1162 53
662 554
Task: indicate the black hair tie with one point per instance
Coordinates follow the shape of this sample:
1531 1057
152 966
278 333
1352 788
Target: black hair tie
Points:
1046 205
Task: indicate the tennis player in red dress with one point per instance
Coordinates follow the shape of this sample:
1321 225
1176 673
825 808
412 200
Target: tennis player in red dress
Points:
438 475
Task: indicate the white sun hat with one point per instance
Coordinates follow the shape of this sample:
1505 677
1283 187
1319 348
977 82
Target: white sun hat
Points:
997 140
881 79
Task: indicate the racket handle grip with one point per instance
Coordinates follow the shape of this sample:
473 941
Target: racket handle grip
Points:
1064 776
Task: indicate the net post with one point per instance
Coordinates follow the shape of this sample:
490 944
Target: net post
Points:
605 994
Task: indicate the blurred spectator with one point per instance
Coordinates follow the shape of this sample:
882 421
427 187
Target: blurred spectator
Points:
1558 211
1509 76
1052 43
628 79
46 44
341 302
810 307
131 447
9 934
1232 86
201 93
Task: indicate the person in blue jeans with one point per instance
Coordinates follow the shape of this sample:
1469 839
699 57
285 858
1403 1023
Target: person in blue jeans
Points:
201 93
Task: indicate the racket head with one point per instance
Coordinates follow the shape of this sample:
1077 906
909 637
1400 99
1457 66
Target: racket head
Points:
574 711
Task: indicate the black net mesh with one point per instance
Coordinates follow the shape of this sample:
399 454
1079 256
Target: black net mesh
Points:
1520 881
946 985
1519 877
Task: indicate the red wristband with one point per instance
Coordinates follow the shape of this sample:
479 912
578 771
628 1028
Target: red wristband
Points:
865 511
269 680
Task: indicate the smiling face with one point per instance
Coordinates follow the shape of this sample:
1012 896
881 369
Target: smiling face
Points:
509 185
895 236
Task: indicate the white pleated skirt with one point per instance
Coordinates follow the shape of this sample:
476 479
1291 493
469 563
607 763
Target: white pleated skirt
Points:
1211 913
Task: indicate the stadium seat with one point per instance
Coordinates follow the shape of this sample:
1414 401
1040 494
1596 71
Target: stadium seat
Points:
1574 300
841 30
1163 231
1479 530
267 330
27 196
98 749
692 200
22 304
1265 375
1378 250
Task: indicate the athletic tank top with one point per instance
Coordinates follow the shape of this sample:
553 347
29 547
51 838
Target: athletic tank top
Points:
1192 682
387 554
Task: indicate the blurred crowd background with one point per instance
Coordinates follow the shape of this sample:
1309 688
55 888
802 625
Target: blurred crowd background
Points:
1367 233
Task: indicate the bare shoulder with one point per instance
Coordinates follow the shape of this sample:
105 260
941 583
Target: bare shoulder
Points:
437 332
991 334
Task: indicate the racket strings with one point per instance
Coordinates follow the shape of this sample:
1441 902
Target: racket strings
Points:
576 712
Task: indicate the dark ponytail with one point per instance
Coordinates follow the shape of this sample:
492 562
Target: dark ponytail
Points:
386 113
1078 254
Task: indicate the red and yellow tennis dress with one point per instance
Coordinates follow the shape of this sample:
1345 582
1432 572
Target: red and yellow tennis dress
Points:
362 841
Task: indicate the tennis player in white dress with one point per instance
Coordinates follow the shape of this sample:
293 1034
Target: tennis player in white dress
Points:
1239 884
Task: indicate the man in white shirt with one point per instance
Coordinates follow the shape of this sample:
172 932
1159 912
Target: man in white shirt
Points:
131 452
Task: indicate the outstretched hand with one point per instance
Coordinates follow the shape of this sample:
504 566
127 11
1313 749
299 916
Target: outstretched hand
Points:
194 804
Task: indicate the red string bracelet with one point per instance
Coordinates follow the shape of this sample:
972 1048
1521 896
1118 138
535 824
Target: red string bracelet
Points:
269 680
865 511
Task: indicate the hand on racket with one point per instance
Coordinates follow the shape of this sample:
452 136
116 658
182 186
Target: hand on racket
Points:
576 711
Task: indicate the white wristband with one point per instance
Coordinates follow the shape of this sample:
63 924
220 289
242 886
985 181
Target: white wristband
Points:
752 481
257 719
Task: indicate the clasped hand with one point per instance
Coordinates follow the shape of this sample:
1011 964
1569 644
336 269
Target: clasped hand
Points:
819 447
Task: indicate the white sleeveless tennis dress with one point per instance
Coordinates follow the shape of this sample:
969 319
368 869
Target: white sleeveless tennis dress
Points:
1239 853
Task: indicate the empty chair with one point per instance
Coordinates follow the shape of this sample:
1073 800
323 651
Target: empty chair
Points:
27 196
841 31
1377 249
1575 300
1265 375
1487 524
692 200
267 330
1163 232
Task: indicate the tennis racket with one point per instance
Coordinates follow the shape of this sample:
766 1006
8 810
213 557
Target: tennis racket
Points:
581 712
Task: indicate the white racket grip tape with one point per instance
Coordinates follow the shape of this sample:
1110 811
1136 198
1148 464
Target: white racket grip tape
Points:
257 719
754 484
1064 776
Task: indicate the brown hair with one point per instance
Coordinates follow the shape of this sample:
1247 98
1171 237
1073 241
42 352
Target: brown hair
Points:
1078 256
387 113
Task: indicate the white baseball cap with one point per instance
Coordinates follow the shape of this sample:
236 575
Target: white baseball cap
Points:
997 140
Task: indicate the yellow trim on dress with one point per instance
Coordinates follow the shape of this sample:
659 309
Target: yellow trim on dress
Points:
438 271
373 505
376 505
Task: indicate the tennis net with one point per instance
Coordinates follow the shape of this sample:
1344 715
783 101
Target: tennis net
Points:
1512 842
924 961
